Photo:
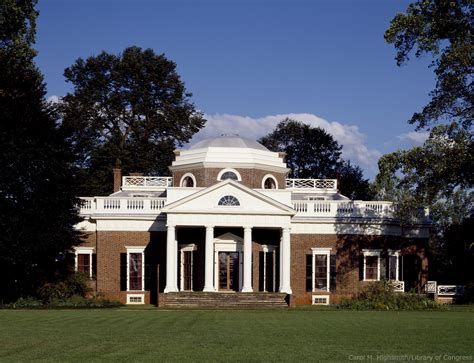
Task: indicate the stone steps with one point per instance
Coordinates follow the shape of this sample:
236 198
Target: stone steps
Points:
223 300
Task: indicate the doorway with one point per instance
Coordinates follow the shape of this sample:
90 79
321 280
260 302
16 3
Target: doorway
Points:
229 271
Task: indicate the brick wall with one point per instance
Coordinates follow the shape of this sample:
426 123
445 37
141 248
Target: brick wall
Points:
206 177
347 249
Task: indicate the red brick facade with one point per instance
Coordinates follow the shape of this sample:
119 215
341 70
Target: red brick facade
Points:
206 177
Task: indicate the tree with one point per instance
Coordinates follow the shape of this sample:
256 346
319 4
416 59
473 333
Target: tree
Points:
444 30
313 153
438 174
130 111
37 202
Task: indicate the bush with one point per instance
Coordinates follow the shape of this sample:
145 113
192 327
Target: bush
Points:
76 284
73 302
380 296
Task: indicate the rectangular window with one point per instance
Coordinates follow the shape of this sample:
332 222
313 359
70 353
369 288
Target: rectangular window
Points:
321 272
371 267
84 263
135 271
318 269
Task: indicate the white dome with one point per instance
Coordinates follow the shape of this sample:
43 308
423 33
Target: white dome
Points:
229 151
232 141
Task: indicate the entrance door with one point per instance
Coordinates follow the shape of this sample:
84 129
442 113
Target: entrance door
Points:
229 271
187 269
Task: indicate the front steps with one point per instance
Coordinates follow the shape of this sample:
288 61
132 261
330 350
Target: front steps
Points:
223 300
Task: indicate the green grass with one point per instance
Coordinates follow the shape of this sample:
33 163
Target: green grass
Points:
291 335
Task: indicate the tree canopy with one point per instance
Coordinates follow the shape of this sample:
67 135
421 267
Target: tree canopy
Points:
37 195
313 153
129 110
440 173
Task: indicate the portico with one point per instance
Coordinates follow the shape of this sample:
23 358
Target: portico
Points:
251 210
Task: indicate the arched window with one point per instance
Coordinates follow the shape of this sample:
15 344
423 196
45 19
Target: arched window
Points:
229 175
188 181
269 182
229 200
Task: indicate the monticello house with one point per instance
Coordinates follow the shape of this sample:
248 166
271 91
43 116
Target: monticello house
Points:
229 227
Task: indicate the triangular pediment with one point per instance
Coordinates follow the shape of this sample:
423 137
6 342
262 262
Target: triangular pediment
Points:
206 201
229 237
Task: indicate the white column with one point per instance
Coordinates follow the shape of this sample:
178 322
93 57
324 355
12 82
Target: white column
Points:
247 260
171 260
286 261
209 261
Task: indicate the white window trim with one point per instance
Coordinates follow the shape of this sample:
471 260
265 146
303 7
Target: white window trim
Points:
186 248
239 178
372 253
321 251
83 251
184 177
271 177
136 249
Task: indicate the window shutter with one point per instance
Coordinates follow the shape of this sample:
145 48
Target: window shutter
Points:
383 267
123 272
332 273
309 272
94 265
361 267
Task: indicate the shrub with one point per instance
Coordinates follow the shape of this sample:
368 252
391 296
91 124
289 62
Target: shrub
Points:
380 296
76 284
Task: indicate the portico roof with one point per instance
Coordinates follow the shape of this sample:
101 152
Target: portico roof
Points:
206 201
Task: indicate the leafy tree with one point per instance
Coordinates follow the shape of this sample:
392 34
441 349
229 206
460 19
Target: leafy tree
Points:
444 30
313 153
37 203
128 110
438 174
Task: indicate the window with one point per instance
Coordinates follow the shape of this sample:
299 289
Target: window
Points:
188 181
84 260
318 269
269 182
231 174
377 267
135 268
229 200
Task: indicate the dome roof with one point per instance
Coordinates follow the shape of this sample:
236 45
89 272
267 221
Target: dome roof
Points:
229 141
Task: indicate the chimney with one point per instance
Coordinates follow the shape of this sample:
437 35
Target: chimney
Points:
117 179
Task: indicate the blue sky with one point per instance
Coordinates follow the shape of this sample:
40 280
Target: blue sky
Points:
251 63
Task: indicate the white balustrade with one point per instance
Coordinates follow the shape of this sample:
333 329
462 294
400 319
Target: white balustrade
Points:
346 209
450 290
397 286
110 205
146 182
431 287
323 184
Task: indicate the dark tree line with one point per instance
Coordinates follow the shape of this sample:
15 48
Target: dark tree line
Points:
313 153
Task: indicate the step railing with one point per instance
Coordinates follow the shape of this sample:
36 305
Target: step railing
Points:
110 205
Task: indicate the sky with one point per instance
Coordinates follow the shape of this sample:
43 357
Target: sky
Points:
249 64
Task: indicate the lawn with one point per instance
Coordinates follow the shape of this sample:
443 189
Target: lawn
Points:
267 335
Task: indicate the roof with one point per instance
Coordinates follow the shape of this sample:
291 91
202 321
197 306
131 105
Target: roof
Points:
229 141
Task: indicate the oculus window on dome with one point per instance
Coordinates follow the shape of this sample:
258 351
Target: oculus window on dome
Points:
229 200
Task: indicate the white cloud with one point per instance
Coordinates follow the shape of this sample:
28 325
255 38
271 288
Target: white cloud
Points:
353 141
414 137
53 99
